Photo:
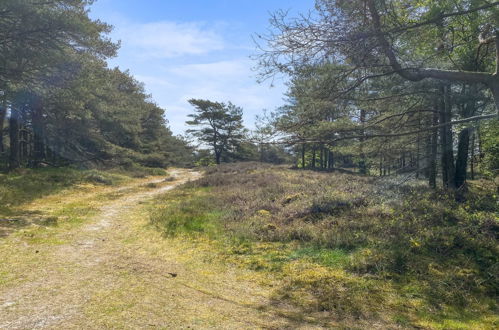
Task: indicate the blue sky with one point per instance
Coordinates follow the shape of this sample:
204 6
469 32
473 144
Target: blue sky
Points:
182 49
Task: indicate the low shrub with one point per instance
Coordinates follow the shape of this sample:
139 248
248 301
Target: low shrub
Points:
137 171
350 243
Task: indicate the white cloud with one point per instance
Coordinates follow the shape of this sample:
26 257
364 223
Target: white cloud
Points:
225 69
180 61
220 81
152 80
168 39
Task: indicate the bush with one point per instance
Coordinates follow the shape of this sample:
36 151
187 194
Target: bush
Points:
138 171
154 160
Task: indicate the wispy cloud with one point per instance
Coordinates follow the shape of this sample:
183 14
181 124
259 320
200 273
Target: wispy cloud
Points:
221 69
178 61
169 39
223 81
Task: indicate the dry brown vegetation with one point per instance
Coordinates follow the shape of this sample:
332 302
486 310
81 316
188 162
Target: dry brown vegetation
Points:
353 248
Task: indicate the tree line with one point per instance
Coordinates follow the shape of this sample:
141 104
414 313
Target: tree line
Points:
389 86
60 102
221 136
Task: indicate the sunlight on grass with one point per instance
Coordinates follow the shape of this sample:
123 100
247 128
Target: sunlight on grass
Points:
336 249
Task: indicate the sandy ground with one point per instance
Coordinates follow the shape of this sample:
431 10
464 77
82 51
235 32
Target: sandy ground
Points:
115 272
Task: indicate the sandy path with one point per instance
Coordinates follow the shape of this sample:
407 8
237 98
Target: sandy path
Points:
114 272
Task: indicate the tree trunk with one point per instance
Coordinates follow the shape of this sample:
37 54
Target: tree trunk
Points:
362 162
330 161
3 113
495 91
462 157
472 158
446 141
313 157
14 138
38 134
303 156
217 157
381 165
321 157
418 148
23 145
432 161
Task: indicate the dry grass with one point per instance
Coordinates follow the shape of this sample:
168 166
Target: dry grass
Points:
103 266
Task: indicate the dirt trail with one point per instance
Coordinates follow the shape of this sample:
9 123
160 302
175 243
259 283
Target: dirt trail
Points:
115 272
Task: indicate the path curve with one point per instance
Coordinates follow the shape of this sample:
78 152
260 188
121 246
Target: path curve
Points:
117 272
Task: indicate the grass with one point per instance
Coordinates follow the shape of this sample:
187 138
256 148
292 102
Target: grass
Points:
359 249
40 206
25 192
187 216
25 185
72 273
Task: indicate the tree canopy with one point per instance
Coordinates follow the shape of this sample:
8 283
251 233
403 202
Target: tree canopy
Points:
64 105
219 126
387 84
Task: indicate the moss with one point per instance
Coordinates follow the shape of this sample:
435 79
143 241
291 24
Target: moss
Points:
319 288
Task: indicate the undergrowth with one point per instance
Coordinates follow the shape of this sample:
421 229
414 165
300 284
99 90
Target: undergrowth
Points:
355 247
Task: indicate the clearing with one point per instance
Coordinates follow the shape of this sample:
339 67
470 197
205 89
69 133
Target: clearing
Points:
97 263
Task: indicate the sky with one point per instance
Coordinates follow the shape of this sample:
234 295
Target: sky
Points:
183 49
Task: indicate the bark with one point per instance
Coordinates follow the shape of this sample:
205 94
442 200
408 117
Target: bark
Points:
218 157
14 138
321 159
362 162
217 152
313 157
462 158
381 165
495 93
38 134
330 161
418 149
472 158
446 140
303 156
432 164
3 112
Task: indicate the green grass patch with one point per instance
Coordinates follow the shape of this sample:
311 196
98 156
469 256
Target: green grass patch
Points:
321 256
191 213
